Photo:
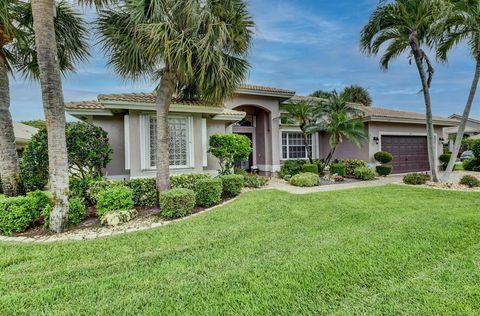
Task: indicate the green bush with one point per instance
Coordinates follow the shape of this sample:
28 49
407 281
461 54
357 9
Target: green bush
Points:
351 165
383 157
187 181
470 181
254 181
305 180
17 213
291 167
476 148
229 149
312 168
79 186
176 203
209 192
384 170
34 162
95 187
416 178
114 199
471 164
338 169
445 159
144 191
40 200
364 173
77 212
232 185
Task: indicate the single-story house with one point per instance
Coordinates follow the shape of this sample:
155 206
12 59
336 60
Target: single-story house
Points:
472 130
254 111
23 134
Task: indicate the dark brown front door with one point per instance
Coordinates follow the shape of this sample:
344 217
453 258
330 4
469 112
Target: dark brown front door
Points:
410 153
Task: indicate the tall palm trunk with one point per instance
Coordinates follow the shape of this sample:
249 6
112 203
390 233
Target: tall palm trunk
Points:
431 144
50 79
463 122
305 143
165 92
9 167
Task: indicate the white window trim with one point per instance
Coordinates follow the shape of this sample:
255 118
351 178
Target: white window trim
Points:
204 143
298 130
145 142
126 132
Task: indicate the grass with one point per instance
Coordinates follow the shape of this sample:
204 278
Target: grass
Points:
458 166
374 251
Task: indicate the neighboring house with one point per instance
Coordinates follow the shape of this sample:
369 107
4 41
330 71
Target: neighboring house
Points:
471 130
254 111
23 134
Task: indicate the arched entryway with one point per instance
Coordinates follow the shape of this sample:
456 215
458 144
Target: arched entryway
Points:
257 126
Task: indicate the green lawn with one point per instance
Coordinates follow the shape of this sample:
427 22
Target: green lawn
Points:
385 250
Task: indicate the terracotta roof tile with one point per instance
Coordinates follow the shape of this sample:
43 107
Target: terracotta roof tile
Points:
265 89
90 105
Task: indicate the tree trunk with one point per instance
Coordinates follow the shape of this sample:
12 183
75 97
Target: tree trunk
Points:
54 108
429 119
165 92
305 143
9 167
463 123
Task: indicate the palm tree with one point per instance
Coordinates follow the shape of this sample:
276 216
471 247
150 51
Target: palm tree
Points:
407 26
302 113
321 94
357 94
17 53
195 47
47 44
341 121
463 24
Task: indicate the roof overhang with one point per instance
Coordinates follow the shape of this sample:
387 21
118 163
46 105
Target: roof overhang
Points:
283 96
175 107
385 119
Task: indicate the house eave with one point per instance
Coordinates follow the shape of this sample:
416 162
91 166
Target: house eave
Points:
182 108
283 96
407 120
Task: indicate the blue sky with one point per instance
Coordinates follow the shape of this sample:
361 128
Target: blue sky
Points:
302 45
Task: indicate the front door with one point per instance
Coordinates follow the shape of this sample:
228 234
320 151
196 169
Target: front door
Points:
247 164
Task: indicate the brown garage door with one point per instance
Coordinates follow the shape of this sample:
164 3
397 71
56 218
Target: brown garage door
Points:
410 153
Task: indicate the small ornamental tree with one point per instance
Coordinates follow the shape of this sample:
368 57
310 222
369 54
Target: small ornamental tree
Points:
88 153
229 149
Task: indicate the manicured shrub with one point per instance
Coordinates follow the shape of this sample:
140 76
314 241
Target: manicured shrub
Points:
40 200
383 157
312 168
77 212
470 181
476 148
187 181
416 178
114 199
17 213
79 186
291 167
176 203
364 173
144 191
95 187
209 192
471 164
306 179
338 169
255 181
232 185
116 218
384 170
445 159
229 149
352 164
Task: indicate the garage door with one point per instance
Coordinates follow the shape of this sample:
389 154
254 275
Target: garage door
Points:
410 153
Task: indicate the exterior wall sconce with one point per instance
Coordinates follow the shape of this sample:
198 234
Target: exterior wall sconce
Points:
441 139
376 139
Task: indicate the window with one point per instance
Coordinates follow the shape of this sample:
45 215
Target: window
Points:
179 144
293 146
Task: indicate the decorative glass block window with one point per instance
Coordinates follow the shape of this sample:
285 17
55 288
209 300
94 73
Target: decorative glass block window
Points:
178 141
293 146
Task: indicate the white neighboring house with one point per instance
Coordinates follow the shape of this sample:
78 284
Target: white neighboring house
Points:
23 134
472 130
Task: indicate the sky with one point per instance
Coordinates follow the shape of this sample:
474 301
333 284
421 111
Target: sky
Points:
303 45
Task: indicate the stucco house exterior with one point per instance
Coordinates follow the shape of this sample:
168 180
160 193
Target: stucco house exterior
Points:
254 111
472 130
23 134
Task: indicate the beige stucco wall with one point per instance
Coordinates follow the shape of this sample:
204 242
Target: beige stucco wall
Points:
213 127
345 150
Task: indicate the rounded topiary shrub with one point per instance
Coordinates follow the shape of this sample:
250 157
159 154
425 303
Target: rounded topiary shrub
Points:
114 199
291 167
384 170
312 168
144 191
416 178
471 164
209 192
306 179
176 203
232 185
364 173
470 181
339 169
383 157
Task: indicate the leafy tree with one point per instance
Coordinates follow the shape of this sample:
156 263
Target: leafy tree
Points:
229 149
192 48
407 26
301 113
36 123
461 25
322 94
341 121
88 153
357 94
